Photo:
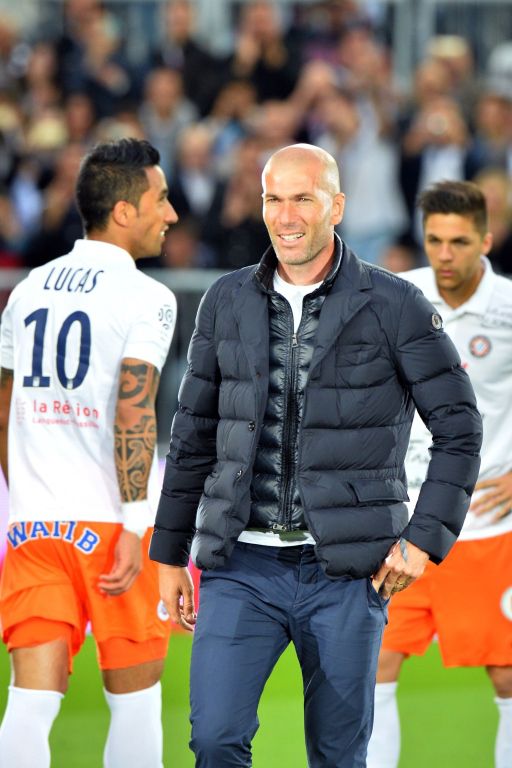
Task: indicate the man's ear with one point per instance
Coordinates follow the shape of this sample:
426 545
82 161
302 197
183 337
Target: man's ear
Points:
122 213
487 243
338 206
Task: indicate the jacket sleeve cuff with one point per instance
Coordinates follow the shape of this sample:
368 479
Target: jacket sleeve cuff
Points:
169 548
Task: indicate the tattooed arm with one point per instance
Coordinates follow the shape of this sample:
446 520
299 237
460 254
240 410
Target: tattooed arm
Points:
135 428
6 380
134 440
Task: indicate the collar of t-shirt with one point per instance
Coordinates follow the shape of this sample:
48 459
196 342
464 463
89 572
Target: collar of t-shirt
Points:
477 304
102 251
294 294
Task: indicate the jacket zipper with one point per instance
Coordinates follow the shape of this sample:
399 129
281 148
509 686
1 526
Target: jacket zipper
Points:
289 438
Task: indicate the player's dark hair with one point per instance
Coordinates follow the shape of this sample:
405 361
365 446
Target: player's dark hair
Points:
463 198
111 172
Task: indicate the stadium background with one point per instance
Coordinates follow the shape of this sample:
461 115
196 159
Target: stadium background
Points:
76 71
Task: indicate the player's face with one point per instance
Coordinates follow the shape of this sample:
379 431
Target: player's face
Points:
300 211
154 216
453 246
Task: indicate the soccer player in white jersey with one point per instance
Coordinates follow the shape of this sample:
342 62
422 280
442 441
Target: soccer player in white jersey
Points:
83 339
467 600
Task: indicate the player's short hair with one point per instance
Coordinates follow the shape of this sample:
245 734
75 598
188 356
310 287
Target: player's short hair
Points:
463 198
109 173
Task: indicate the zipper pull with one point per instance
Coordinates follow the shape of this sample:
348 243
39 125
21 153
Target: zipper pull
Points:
294 340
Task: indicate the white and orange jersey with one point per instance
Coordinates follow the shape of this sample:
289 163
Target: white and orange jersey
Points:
64 332
481 329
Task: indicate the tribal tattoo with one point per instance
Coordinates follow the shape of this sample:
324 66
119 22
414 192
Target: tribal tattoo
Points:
135 428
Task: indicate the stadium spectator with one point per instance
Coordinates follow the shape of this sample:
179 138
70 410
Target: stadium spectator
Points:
491 143
237 233
433 148
10 232
496 185
262 54
165 112
465 601
275 124
83 339
180 51
285 471
229 121
319 27
454 53
375 212
40 81
80 117
60 224
95 62
195 189
184 249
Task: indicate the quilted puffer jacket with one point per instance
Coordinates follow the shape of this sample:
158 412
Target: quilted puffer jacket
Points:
379 352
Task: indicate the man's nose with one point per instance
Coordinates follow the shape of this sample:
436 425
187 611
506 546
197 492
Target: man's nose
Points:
445 252
287 212
171 216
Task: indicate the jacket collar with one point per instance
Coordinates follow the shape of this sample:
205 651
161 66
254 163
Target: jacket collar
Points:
346 287
264 274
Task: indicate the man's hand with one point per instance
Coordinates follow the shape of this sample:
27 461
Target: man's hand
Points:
177 592
499 497
127 565
403 565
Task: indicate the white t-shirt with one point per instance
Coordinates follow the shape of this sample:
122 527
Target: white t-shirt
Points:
481 329
64 333
294 295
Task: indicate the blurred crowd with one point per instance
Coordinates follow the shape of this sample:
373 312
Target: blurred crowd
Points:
322 74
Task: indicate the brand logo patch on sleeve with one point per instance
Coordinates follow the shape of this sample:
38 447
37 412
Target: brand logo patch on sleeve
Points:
437 321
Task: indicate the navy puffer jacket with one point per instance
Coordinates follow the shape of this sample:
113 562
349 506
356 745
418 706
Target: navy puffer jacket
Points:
379 351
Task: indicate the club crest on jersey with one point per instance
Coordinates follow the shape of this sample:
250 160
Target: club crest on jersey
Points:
480 346
506 603
437 321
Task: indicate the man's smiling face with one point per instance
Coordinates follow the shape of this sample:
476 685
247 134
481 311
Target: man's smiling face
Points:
299 209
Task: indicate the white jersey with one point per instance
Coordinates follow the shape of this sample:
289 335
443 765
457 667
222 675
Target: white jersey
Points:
481 329
65 330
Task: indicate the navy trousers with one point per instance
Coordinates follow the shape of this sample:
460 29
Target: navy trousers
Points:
250 610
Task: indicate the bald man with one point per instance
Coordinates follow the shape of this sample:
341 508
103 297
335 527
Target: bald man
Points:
285 477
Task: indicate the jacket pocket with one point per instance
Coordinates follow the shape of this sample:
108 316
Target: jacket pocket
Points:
374 490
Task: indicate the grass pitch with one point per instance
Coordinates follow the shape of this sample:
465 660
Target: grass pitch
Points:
448 716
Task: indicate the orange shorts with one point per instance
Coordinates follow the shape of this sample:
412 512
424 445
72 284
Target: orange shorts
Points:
466 601
49 589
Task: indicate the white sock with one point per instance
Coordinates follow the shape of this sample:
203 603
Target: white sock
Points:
384 746
135 734
503 747
26 726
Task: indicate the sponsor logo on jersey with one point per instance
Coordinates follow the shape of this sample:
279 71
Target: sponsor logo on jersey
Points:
66 412
480 346
506 603
65 530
